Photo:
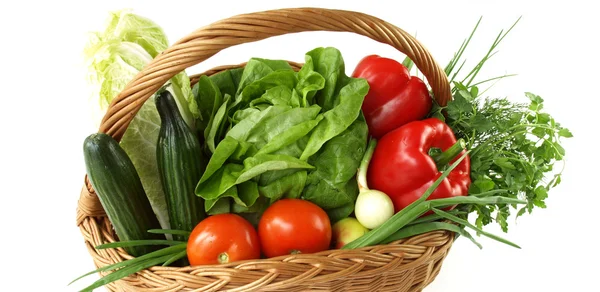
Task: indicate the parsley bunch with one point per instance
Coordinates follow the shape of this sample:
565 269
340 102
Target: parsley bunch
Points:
513 146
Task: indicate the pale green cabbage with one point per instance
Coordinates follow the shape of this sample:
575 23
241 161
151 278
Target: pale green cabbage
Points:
114 57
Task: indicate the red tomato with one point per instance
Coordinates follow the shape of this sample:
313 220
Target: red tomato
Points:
222 238
292 226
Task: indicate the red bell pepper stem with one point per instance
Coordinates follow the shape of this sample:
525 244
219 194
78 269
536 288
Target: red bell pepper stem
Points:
442 159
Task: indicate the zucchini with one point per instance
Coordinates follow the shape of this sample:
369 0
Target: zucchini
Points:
118 186
181 163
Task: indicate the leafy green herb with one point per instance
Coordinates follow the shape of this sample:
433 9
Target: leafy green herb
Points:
514 146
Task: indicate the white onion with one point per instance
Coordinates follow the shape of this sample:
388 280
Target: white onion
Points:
373 208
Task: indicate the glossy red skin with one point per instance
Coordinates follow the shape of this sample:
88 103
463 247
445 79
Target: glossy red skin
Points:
294 226
223 233
394 98
402 168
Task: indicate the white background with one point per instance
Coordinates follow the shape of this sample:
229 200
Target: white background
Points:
45 115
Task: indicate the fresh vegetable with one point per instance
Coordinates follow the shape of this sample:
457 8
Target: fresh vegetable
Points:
291 226
118 186
373 207
403 168
395 97
114 56
221 239
513 148
274 133
284 148
393 228
180 164
345 231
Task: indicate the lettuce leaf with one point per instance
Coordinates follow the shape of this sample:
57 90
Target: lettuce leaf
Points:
288 135
114 56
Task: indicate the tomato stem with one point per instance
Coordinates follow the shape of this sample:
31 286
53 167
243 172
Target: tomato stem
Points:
223 258
361 176
442 159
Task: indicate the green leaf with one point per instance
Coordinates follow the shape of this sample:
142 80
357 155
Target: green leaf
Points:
170 231
339 118
458 106
501 217
261 163
474 91
557 180
223 151
254 211
209 99
483 184
273 127
481 123
290 186
534 98
465 94
138 243
278 95
565 133
479 231
290 136
422 228
332 184
248 193
504 163
328 62
216 124
175 257
309 82
218 183
227 81
254 122
259 87
540 193
221 205
339 213
258 68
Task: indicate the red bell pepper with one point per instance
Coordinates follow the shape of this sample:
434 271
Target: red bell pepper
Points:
394 98
403 168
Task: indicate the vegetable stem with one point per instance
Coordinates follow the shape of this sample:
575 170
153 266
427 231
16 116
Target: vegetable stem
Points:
445 157
361 177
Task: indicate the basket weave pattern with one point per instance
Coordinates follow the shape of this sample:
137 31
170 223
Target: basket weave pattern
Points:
406 265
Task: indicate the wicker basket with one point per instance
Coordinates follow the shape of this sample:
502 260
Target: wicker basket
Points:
406 265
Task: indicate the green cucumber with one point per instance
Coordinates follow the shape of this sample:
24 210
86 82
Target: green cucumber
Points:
181 163
118 186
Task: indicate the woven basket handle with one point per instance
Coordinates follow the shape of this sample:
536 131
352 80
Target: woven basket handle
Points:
245 28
